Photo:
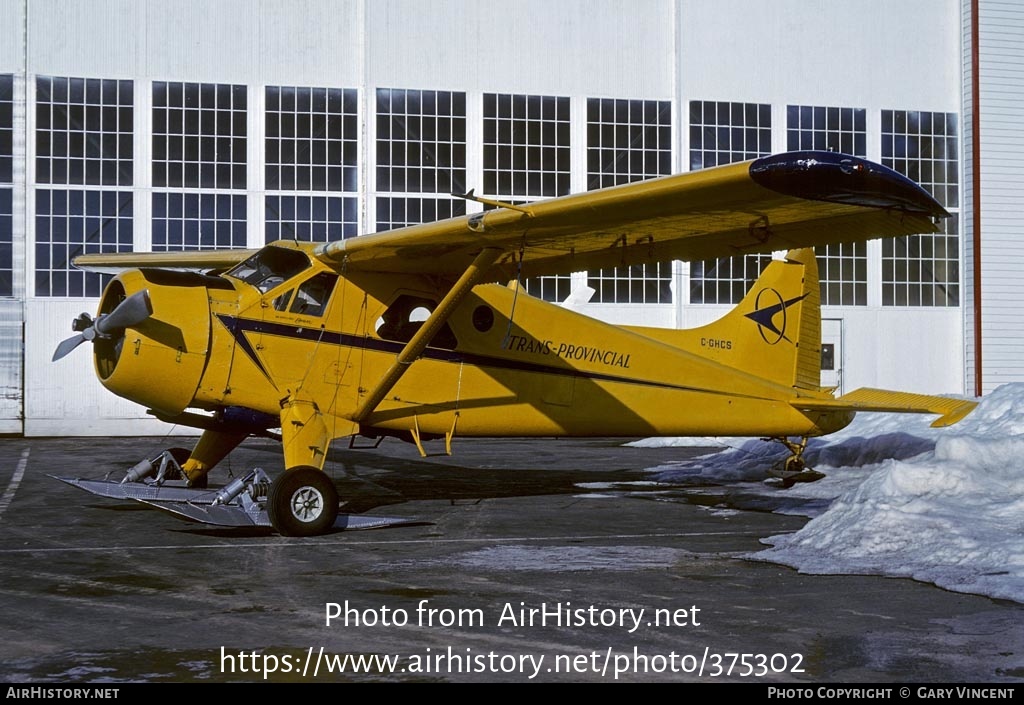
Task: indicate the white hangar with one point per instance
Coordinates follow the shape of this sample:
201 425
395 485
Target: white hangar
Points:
166 125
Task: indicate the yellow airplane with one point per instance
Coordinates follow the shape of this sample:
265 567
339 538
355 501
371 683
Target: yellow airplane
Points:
425 332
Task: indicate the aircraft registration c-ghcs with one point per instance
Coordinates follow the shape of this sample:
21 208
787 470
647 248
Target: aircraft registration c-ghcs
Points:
425 332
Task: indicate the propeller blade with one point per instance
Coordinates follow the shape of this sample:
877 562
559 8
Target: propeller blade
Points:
67 346
132 311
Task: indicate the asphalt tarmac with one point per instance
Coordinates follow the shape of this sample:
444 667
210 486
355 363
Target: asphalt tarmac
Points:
533 560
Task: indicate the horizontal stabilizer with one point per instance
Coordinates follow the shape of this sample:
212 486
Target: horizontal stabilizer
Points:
867 399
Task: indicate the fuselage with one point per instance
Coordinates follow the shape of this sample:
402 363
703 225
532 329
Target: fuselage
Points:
285 326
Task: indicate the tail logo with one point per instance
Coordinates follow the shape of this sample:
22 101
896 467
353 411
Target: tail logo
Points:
768 307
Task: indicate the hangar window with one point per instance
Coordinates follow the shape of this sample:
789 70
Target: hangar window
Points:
843 274
311 139
6 241
843 268
397 212
831 129
311 147
649 283
84 129
420 149
726 279
6 184
199 135
723 133
527 156
6 129
629 140
550 287
197 221
310 218
199 141
72 222
421 141
923 270
526 145
84 150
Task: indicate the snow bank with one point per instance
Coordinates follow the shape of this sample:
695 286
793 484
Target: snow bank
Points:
944 506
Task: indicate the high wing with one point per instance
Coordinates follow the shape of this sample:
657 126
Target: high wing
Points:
782 202
113 262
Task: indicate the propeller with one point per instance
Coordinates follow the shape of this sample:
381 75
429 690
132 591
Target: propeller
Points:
130 312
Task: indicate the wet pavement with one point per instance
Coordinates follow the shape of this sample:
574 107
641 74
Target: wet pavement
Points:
532 560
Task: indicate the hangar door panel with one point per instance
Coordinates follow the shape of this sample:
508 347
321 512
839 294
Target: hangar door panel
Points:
11 364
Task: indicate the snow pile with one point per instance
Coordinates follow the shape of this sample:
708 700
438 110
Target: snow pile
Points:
944 506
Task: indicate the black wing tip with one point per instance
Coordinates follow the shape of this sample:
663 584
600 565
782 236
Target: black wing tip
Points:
842 178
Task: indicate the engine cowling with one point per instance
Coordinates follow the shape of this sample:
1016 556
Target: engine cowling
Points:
159 361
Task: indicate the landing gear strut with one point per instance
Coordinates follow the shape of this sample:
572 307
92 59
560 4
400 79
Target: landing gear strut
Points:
302 501
792 469
165 466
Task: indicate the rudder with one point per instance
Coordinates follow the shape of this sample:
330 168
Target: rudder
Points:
775 331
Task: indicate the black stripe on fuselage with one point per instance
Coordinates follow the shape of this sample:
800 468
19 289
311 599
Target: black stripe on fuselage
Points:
240 326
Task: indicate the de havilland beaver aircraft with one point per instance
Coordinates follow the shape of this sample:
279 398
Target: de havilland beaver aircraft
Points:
425 332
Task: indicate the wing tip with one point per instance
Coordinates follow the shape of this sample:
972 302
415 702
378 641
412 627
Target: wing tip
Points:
842 178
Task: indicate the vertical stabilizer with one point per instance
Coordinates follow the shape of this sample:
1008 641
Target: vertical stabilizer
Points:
775 331
808 357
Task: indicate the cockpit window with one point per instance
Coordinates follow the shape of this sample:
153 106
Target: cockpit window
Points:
281 300
311 298
269 267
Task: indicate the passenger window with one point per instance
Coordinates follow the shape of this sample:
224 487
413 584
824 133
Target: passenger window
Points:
406 316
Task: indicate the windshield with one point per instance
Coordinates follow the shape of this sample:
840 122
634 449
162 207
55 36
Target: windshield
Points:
269 267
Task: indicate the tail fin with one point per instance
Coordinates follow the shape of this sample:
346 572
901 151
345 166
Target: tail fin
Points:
775 331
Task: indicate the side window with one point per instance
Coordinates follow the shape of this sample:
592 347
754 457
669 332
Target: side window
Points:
281 301
406 316
311 298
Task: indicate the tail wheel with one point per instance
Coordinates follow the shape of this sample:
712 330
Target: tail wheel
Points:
302 502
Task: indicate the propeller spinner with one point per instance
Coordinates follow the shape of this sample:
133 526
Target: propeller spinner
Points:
132 311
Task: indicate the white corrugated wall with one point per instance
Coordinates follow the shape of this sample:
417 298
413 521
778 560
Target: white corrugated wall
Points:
1001 112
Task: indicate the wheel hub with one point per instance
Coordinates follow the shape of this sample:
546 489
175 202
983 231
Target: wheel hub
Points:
307 503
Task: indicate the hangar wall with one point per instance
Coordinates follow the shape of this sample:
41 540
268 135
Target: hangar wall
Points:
12 213
1000 112
682 59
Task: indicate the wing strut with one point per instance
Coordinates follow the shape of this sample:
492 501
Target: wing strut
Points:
414 348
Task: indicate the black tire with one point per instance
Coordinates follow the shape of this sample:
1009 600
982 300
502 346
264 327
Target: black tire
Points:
302 502
180 455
